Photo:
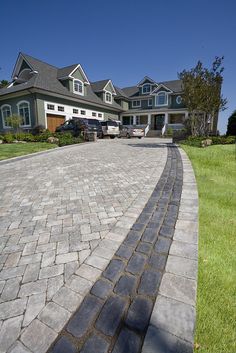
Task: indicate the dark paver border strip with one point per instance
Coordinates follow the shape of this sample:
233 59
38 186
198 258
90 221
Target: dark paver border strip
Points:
172 323
112 319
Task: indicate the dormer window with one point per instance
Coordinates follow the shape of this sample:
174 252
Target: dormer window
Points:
146 89
108 97
79 87
161 99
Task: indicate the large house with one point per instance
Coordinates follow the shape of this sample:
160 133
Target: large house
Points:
46 95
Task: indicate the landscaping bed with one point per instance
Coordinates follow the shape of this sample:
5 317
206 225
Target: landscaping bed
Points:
215 170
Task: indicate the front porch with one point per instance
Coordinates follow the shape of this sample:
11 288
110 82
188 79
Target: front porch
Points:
156 120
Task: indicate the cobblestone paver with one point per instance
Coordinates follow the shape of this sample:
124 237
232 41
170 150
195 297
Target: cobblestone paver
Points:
55 210
115 314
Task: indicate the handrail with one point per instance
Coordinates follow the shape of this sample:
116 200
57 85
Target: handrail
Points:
163 130
146 130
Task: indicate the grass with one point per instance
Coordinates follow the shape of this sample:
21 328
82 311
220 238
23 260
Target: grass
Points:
9 150
215 170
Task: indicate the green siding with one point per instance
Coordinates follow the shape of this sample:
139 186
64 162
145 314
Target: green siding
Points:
13 103
111 116
174 105
125 105
109 88
78 75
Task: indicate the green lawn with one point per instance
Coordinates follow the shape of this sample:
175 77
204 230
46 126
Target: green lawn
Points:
9 150
215 170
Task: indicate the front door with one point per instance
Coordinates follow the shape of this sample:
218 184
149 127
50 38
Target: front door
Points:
159 121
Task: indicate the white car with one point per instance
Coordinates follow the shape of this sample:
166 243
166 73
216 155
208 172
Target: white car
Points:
110 128
132 131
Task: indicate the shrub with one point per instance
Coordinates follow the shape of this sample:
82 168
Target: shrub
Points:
38 129
169 131
8 138
216 140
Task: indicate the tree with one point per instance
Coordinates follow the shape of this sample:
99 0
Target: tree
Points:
15 121
202 95
4 83
231 127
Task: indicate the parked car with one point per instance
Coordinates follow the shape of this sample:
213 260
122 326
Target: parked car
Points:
77 126
110 128
132 131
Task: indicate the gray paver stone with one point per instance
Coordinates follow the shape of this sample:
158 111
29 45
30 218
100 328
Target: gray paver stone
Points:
126 285
68 299
11 289
10 330
159 341
12 308
32 337
54 316
35 304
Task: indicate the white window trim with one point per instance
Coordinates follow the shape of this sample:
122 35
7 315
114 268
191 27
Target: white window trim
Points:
3 120
82 83
149 99
18 108
146 84
136 106
167 99
106 101
52 105
178 99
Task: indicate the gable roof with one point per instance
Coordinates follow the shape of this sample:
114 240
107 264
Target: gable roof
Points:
46 79
146 78
65 71
161 86
130 91
98 86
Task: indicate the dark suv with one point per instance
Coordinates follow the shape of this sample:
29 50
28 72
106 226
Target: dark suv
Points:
77 126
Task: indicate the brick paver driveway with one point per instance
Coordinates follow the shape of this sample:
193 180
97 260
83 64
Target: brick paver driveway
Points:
55 209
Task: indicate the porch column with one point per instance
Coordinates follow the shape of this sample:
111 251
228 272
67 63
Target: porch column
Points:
149 119
186 115
134 119
166 118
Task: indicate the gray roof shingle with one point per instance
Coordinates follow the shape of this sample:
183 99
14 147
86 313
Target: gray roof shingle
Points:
47 79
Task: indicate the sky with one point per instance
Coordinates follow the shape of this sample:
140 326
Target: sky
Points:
123 40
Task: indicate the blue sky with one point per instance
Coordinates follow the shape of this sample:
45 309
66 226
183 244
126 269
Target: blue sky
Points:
123 40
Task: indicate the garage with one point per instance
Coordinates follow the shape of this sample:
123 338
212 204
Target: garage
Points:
53 121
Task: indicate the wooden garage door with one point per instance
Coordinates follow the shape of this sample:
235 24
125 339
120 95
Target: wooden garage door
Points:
54 121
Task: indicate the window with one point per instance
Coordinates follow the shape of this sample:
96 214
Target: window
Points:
82 112
108 97
24 112
150 102
94 114
75 111
146 88
6 113
178 100
161 98
99 115
50 107
60 108
136 104
78 87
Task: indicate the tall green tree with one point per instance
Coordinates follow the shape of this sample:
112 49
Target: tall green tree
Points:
231 127
202 95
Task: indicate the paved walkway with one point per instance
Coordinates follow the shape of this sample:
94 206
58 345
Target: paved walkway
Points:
98 247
